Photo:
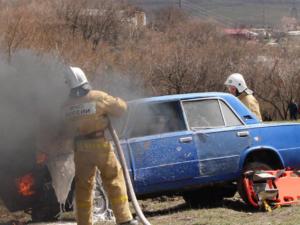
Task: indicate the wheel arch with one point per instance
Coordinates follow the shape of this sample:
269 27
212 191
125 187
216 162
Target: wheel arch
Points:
265 154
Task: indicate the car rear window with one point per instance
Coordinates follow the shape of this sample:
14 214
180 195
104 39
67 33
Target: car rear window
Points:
230 118
209 113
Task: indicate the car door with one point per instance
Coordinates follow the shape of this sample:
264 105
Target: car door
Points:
161 154
219 133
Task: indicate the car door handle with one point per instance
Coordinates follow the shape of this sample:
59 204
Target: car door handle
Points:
242 133
185 139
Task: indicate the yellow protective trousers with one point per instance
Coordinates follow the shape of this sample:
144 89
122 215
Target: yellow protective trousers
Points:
89 155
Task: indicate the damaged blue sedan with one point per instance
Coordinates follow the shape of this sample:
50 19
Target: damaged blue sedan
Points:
198 145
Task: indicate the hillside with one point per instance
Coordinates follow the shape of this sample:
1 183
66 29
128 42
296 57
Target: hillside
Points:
232 12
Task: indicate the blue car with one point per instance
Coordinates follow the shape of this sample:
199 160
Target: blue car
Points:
196 145
199 144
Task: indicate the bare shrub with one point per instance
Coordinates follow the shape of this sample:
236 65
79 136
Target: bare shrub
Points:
167 18
174 54
14 29
95 20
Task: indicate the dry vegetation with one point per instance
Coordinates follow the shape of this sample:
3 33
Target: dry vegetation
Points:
233 211
173 54
174 211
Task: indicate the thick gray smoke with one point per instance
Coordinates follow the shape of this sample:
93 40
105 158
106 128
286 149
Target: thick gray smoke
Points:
121 85
32 90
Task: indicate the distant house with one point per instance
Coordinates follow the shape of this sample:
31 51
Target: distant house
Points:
139 19
136 18
241 33
293 33
262 32
293 37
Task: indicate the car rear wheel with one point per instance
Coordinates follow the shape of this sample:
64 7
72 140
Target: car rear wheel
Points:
251 166
45 214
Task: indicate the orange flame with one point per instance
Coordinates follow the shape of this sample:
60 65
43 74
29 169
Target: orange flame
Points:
25 185
41 158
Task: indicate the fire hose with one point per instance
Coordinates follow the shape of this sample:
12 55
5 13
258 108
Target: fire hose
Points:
132 195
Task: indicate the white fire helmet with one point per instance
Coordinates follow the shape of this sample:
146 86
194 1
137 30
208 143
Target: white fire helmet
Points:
237 80
75 77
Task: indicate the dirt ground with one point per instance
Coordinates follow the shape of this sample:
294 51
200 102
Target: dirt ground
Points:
174 211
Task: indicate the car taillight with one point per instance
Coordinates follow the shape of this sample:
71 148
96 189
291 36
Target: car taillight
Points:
25 185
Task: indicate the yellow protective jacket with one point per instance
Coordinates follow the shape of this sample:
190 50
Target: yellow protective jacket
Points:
88 114
250 101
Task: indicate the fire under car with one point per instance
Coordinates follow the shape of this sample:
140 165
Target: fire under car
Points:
202 146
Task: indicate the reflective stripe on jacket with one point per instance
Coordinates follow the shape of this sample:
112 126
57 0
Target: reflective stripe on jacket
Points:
88 114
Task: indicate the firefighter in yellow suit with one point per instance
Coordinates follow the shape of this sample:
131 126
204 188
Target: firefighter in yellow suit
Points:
237 86
86 117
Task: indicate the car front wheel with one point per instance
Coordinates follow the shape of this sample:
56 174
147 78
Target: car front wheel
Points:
101 210
251 166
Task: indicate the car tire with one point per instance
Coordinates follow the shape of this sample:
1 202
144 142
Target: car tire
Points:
254 166
101 210
45 207
45 214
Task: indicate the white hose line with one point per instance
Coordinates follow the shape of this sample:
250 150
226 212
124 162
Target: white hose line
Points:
120 153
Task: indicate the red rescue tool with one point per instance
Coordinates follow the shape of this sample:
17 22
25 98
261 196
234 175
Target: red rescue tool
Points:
267 189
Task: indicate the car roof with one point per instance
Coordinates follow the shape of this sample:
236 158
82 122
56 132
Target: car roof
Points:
179 97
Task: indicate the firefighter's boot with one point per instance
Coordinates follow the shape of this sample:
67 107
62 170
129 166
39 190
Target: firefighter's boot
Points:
131 222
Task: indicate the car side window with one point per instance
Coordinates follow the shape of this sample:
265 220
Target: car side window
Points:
230 118
203 114
156 118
